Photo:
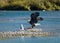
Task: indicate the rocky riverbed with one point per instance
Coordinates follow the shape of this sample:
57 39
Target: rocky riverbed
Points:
26 33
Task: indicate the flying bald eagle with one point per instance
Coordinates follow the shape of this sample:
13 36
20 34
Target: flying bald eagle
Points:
34 19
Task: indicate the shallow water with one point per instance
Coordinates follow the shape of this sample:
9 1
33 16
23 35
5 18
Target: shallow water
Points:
32 40
11 21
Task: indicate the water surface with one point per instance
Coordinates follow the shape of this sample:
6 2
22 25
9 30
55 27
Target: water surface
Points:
11 21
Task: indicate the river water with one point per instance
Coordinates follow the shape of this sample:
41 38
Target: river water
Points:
11 21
